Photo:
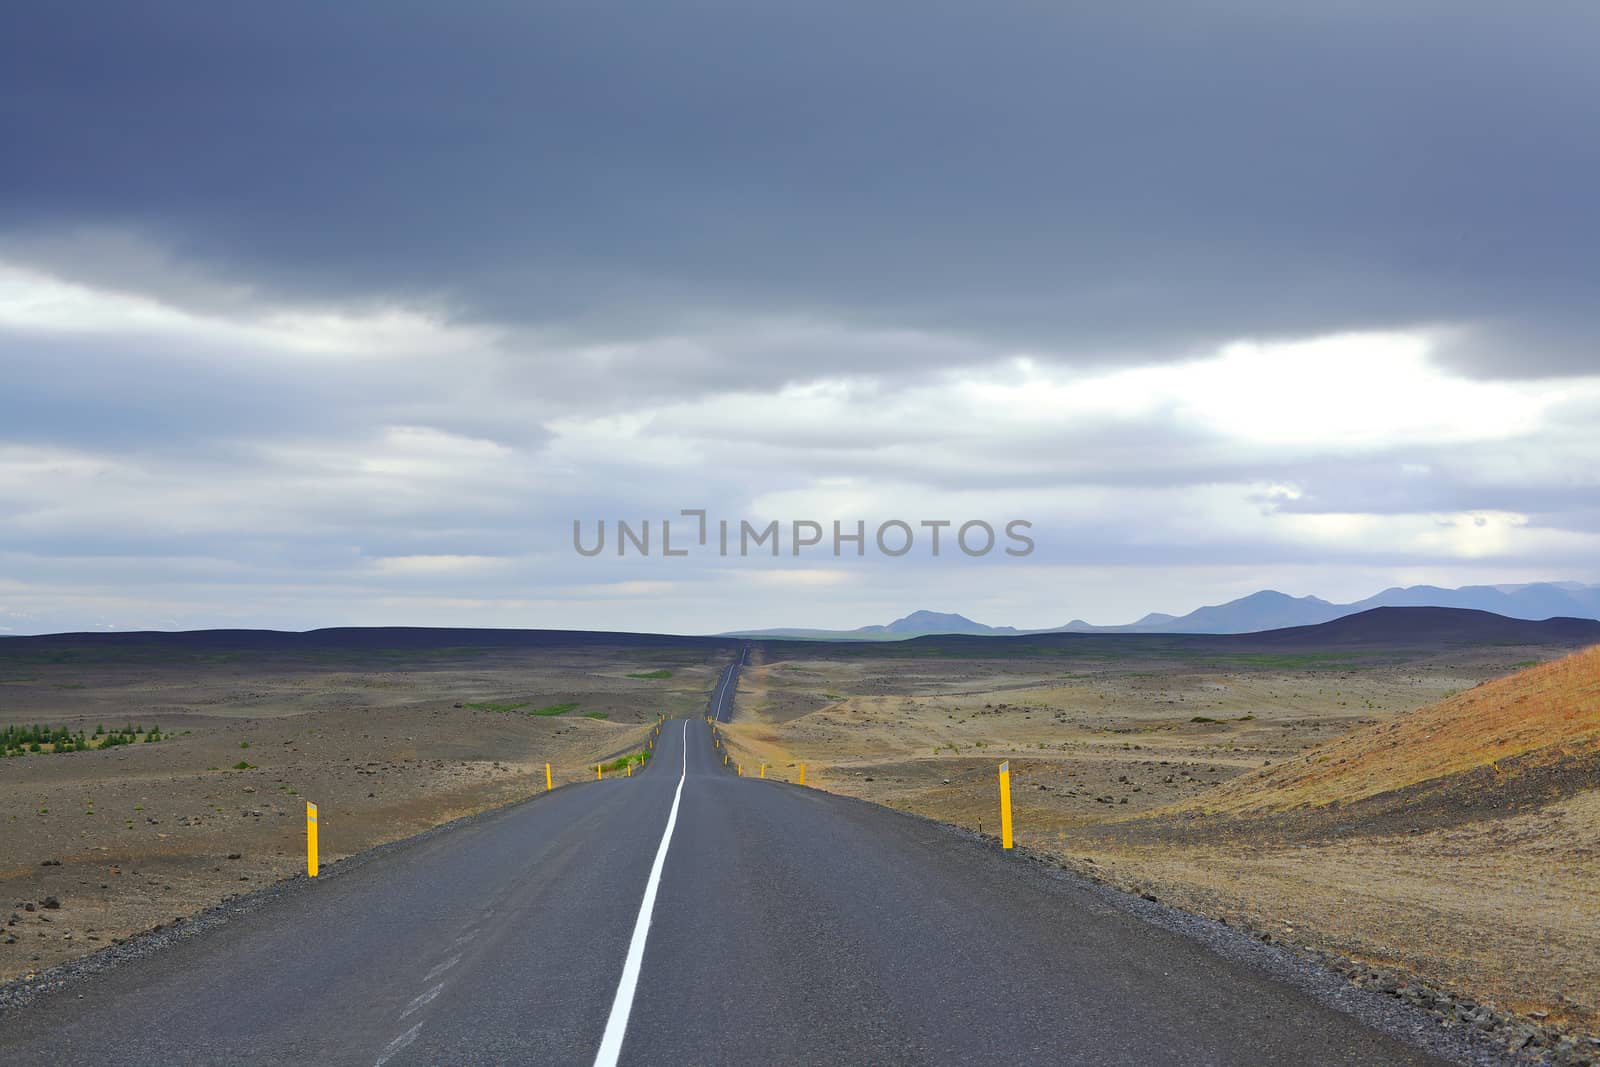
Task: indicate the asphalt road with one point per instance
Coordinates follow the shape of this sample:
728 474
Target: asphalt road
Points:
780 925
720 707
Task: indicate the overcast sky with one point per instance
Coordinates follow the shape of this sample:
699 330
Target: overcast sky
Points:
342 314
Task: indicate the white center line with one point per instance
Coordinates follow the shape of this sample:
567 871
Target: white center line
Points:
443 967
397 1044
617 1025
421 999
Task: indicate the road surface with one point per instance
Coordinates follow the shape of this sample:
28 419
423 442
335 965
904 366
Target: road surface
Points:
688 916
720 707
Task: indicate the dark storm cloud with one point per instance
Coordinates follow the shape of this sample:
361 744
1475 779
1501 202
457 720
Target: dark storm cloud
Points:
1135 180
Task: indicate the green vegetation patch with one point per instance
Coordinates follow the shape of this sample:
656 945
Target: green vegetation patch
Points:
596 715
489 705
662 673
621 762
38 738
553 709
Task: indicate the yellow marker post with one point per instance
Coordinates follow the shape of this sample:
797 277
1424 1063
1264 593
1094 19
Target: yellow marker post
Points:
763 770
548 784
599 772
724 759
1005 804
630 770
802 774
311 839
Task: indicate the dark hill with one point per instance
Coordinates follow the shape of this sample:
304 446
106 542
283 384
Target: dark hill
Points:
357 640
1429 626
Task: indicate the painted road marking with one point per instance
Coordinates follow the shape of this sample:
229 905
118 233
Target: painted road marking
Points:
443 967
397 1044
421 999
617 1025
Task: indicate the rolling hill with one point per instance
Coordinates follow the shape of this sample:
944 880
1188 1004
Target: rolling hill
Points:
1528 738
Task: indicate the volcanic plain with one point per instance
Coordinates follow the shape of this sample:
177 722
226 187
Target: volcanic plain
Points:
1415 797
389 732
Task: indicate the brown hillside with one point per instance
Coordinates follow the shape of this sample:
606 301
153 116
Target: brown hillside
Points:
1539 723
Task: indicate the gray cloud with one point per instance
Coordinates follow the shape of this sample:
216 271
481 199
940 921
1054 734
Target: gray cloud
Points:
745 258
1106 184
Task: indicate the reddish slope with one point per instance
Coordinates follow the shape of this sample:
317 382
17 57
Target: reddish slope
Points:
1536 723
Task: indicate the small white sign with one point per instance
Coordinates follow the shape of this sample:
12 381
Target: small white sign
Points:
1005 767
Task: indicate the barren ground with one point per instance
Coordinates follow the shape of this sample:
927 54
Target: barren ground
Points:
1499 905
386 742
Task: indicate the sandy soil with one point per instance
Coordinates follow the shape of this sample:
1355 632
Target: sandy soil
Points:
144 834
1505 908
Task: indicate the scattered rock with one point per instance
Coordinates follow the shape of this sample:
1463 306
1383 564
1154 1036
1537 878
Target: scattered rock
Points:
52 903
50 863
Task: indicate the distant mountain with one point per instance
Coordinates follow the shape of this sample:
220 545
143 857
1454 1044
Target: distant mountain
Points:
1270 610
936 622
1539 600
917 624
1265 610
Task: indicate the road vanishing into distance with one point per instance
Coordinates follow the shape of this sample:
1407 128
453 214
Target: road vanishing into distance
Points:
689 916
